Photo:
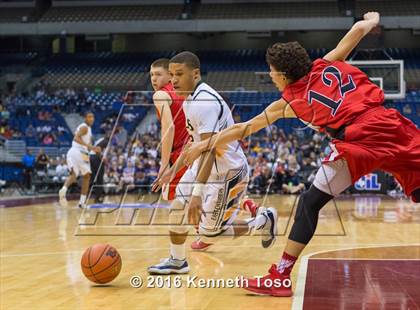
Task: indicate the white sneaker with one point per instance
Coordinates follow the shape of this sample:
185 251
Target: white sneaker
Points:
269 231
170 266
62 197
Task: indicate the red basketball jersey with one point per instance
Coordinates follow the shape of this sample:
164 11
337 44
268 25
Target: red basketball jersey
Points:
181 135
332 94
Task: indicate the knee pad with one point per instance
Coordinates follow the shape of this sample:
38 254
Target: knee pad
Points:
307 211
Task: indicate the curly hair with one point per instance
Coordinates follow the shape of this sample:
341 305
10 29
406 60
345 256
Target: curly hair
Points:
289 58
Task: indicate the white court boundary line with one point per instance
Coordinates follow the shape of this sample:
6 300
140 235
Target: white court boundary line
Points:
298 295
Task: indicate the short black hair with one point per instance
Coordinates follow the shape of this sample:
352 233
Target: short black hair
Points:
289 58
87 113
161 62
188 58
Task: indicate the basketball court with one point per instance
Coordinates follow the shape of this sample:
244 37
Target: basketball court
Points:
366 252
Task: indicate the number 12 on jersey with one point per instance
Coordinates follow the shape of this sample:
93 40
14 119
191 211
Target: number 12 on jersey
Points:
328 81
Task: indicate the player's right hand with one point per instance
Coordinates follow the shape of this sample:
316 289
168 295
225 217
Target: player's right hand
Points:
192 151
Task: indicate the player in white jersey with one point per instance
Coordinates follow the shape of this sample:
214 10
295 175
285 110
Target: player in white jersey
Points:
211 189
78 160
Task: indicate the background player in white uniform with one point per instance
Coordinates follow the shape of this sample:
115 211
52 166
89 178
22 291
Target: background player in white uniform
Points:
78 160
213 187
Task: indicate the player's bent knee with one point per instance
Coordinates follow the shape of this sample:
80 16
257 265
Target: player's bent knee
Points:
333 177
415 195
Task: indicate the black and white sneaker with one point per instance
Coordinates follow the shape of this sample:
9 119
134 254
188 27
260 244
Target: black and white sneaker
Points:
269 230
170 266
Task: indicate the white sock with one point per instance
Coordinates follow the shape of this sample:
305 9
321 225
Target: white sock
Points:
257 222
82 199
178 251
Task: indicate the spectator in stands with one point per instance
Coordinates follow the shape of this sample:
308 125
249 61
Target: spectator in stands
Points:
111 180
48 139
152 171
292 182
42 161
152 129
262 181
28 161
407 109
30 131
127 179
121 136
61 171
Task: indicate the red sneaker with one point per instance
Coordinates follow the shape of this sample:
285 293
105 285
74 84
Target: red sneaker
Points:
250 205
273 284
199 245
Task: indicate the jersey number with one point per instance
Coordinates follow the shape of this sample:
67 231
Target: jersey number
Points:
344 88
190 128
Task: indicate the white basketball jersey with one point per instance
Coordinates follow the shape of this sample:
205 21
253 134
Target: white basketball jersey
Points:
87 138
206 112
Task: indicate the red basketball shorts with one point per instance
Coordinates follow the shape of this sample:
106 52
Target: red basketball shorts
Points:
381 139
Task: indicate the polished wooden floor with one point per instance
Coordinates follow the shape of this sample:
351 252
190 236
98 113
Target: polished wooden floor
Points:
41 246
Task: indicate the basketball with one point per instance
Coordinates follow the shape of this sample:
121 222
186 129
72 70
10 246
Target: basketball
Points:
101 263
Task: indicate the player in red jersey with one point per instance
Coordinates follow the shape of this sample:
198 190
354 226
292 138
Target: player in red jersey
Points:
174 134
338 99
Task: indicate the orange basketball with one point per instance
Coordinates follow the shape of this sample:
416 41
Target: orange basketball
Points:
101 263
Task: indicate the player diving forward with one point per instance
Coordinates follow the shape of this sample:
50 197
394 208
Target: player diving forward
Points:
340 100
78 160
217 181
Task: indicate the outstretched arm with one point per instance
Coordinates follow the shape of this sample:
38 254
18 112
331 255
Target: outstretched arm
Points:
276 110
353 37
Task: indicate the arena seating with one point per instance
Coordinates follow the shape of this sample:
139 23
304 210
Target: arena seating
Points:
267 10
102 104
16 15
13 59
226 70
124 71
389 8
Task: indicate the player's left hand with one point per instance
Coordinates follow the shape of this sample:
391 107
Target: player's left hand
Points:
165 178
194 210
192 152
96 149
